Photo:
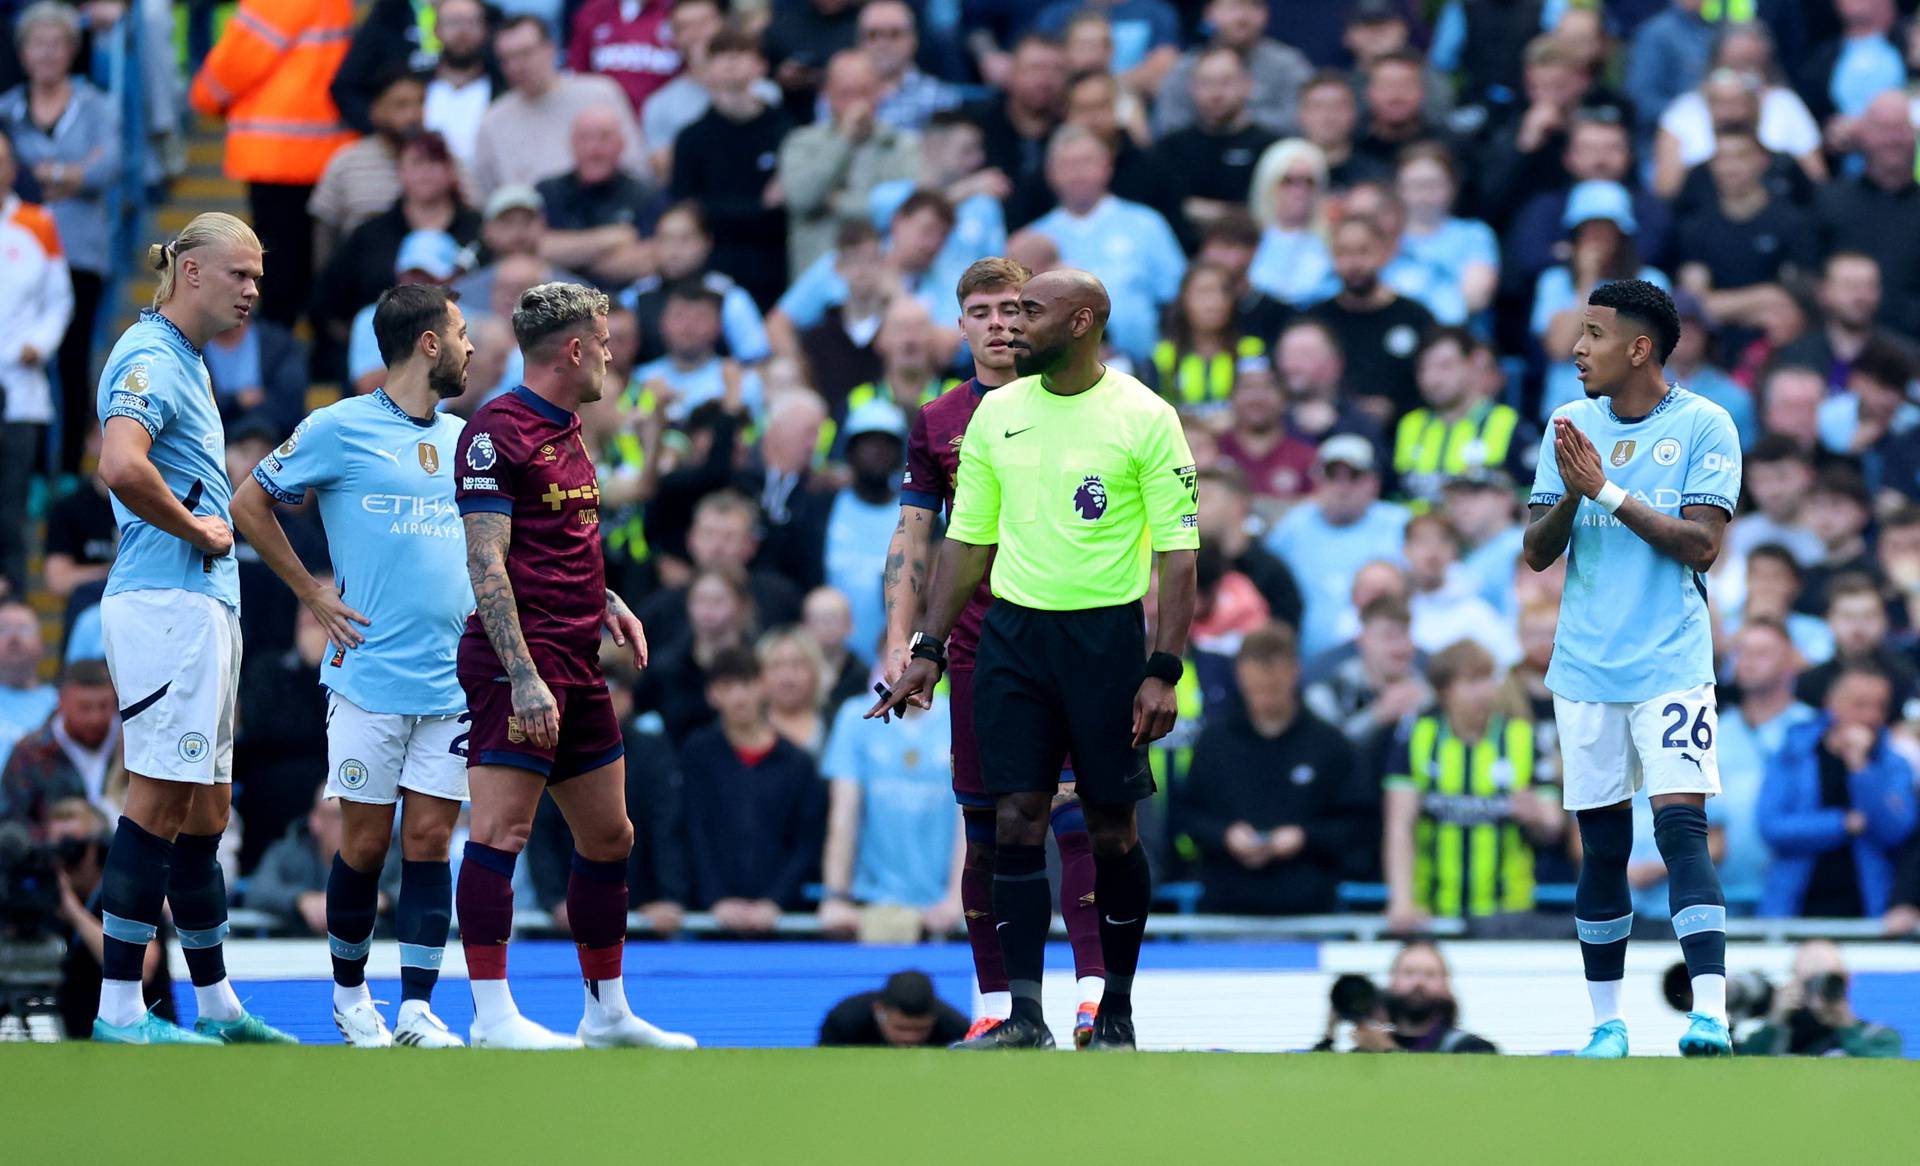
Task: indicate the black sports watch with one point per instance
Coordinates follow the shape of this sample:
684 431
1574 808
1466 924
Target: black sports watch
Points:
925 647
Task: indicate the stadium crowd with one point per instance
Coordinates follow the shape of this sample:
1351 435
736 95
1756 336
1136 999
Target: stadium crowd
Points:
1349 239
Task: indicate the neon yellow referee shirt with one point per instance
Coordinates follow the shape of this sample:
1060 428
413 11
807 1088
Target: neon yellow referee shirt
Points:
1077 491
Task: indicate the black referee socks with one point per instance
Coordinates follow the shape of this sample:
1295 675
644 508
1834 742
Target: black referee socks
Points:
1023 910
1122 892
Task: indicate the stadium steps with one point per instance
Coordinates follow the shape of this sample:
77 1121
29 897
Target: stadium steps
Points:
202 188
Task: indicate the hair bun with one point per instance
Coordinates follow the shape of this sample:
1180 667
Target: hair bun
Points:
157 257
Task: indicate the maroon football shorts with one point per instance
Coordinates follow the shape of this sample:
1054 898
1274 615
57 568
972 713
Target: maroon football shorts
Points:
590 734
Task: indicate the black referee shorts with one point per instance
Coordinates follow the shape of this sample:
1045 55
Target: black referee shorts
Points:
1048 683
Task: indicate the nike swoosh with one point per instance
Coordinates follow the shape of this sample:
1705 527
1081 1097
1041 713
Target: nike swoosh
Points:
998 926
1014 432
1122 922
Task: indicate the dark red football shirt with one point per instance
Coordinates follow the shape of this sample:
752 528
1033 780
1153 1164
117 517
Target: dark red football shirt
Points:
933 468
522 456
629 41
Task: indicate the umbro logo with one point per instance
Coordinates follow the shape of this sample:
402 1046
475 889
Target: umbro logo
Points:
1014 432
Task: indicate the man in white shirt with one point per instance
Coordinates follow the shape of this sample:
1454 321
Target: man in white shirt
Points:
460 89
523 137
1446 601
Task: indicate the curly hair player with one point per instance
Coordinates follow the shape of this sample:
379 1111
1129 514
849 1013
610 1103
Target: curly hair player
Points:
1632 671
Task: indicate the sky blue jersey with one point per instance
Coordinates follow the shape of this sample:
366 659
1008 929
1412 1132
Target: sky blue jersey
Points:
1633 622
155 376
385 486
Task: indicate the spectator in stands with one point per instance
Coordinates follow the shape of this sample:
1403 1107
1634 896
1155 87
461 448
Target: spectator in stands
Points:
1378 329
514 226
1312 371
1742 61
362 266
598 214
1128 246
1018 121
829 169
630 41
1837 805
1753 727
81 835
890 39
1811 1015
520 135
1275 466
1669 54
1211 161
802 38
1457 426
1394 93
25 702
1146 36
1293 264
1480 850
1277 70
363 180
1849 296
1094 103
1856 614
796 682
269 78
1838 512
891 865
68 756
908 348
291 880
1599 219
693 372
1418 1012
1773 583
725 536
1524 696
464 80
720 618
726 159
1778 478
682 101
1862 61
425 257
953 163
1230 242
1446 602
1876 212
1790 400
1378 28
904 1015
657 874
81 534
259 369
1462 254
1377 684
36 286
909 264
280 739
1329 119
756 808
682 246
1328 538
1195 365
1897 553
396 38
827 617
1743 245
1272 798
864 513
1481 506
64 131
1599 149
794 501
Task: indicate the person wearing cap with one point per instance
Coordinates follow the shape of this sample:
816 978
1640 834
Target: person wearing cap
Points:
1326 539
1599 220
522 127
425 257
1458 426
362 265
904 1015
514 224
364 179
861 521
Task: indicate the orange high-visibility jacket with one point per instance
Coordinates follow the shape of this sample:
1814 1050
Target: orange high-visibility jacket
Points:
269 77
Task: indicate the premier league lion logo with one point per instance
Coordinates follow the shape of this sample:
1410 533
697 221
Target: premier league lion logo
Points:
1091 498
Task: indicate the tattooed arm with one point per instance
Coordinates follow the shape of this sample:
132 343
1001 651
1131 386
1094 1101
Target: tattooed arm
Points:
488 536
905 583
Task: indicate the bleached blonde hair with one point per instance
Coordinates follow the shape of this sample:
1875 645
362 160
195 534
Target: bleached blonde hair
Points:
207 230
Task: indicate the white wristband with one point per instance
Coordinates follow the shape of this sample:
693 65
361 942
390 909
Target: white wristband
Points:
1610 497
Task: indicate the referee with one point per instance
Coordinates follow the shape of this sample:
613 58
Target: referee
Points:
1077 474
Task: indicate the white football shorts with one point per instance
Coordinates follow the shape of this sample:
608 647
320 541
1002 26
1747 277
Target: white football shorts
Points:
175 660
371 757
1610 751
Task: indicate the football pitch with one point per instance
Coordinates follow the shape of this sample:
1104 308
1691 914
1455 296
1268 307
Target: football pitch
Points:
75 1102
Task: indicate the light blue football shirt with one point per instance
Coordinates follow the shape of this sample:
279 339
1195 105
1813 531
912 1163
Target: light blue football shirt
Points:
908 821
385 485
1633 622
155 376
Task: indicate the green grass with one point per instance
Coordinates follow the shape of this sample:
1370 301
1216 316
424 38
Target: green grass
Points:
79 1102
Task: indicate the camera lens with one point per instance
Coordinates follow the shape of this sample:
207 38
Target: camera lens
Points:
1354 998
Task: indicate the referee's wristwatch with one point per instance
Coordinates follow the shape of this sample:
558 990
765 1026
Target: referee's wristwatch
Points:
925 647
